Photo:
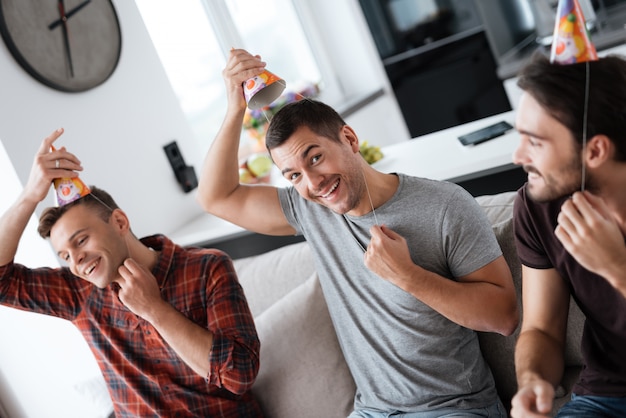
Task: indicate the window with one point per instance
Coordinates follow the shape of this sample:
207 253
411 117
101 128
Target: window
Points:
193 41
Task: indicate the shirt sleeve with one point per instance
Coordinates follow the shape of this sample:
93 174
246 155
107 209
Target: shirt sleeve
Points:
234 356
467 235
48 291
528 240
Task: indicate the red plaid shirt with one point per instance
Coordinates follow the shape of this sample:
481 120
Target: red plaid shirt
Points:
145 377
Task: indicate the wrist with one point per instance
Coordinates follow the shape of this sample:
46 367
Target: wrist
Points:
528 377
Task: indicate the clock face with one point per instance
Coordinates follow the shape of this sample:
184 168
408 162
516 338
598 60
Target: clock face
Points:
69 45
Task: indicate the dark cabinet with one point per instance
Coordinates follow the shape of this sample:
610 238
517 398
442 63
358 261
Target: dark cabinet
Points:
438 60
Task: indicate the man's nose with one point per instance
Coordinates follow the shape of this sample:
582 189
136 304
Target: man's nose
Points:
520 155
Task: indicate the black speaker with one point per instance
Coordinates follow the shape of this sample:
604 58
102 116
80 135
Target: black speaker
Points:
185 175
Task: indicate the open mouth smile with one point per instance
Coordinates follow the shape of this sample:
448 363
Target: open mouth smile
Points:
91 267
332 189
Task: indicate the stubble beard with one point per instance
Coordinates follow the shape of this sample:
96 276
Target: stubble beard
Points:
552 188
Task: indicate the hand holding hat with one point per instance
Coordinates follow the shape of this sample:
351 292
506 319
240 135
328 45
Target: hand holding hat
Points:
68 189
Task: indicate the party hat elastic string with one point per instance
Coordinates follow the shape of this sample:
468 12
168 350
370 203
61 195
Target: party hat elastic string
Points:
586 108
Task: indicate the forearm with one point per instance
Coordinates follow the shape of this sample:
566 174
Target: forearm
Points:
191 342
12 225
478 305
537 356
195 345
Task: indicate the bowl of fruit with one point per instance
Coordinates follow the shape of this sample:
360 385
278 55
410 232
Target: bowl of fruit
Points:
255 168
370 153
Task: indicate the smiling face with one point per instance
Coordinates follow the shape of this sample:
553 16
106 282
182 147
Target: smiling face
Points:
547 152
324 171
92 247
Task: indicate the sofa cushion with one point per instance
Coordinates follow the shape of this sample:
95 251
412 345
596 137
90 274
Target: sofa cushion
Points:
303 372
267 277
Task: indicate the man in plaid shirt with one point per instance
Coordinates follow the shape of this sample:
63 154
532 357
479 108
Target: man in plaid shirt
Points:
170 327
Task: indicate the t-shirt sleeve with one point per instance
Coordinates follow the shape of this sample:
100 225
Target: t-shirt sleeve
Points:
288 198
468 238
530 249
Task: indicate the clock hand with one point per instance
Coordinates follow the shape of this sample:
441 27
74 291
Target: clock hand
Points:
66 40
68 14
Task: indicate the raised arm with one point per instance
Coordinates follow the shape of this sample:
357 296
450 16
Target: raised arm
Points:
540 346
13 222
256 208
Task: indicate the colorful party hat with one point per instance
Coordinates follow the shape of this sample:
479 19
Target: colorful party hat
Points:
68 189
263 89
571 42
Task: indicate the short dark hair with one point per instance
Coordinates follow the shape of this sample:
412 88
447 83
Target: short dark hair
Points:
560 89
98 200
317 116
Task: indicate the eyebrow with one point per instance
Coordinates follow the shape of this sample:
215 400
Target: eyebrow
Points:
530 133
71 238
302 157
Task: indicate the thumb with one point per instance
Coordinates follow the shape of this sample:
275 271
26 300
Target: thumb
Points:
544 399
390 232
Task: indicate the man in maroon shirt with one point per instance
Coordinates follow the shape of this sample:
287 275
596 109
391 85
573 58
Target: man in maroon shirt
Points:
570 223
170 327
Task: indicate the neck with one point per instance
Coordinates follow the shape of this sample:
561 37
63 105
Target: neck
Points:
378 188
610 188
141 254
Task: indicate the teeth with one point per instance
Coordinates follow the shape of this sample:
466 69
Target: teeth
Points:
332 189
89 269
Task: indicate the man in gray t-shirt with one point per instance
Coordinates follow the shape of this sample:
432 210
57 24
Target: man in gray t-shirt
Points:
409 267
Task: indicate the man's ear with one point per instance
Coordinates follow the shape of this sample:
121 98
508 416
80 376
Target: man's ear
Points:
599 150
119 220
351 137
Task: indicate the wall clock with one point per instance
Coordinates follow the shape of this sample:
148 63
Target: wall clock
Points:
69 45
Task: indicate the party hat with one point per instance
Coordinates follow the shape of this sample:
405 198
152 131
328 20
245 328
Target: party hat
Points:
68 189
571 42
263 89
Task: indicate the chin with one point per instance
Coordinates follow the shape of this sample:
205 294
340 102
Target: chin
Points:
546 194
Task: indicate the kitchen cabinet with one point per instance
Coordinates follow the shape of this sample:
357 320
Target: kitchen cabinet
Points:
438 60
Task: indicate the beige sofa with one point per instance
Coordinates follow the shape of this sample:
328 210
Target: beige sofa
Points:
303 373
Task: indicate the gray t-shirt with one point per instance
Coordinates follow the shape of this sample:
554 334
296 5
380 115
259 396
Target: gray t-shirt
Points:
403 355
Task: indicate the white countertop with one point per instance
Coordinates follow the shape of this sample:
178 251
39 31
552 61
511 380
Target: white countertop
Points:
441 156
438 156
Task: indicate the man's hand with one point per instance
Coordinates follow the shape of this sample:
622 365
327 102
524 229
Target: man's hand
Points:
533 400
592 236
49 165
241 66
139 290
388 256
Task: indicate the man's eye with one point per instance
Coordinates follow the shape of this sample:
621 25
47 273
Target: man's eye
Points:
315 158
293 176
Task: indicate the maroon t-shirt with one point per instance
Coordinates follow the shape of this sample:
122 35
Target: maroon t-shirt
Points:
604 335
